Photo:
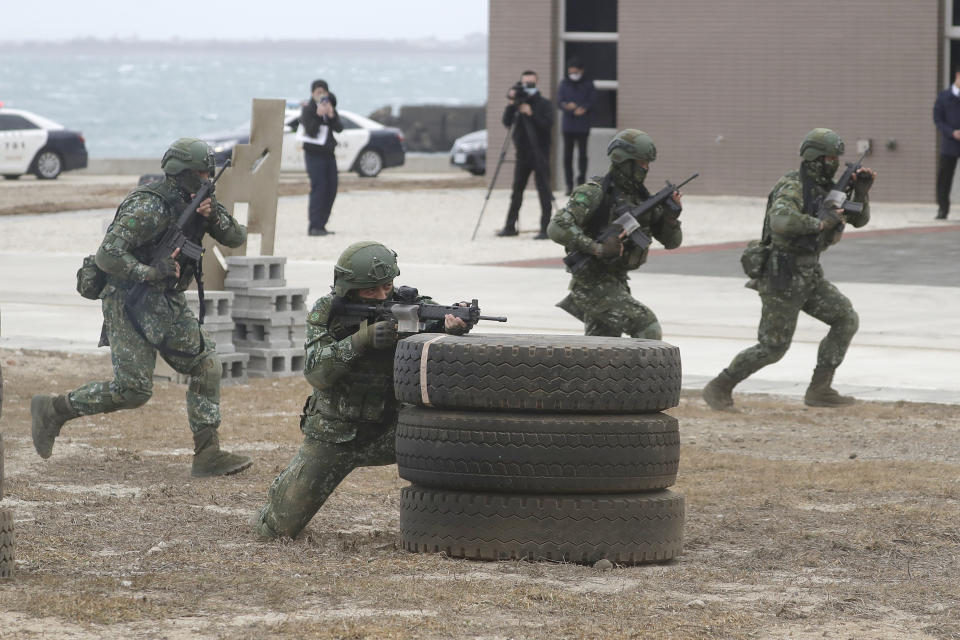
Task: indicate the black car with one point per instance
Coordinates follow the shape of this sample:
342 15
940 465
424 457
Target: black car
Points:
470 152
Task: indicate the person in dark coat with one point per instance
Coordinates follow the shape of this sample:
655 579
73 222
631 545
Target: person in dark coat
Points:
946 115
318 122
533 115
575 96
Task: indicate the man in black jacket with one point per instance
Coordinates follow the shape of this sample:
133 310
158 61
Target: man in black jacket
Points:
318 121
531 136
946 115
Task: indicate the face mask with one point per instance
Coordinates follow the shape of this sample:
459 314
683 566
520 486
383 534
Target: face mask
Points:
575 76
830 167
189 181
639 173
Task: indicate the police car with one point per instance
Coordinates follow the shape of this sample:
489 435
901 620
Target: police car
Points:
33 144
364 145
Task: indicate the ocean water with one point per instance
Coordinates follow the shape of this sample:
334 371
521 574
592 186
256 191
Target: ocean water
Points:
130 100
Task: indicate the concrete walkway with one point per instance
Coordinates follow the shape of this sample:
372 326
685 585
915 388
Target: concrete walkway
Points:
908 346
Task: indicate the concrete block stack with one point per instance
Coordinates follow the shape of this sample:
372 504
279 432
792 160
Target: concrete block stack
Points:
269 318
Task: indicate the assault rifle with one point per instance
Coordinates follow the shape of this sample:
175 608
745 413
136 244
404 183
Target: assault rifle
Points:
836 199
178 236
410 315
627 224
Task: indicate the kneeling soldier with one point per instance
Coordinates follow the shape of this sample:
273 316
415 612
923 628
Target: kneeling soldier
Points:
350 419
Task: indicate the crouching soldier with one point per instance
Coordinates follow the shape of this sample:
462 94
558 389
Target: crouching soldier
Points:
350 419
162 322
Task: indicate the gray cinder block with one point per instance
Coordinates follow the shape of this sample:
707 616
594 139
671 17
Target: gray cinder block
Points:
249 272
275 363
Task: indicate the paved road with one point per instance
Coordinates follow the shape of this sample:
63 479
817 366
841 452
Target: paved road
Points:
928 255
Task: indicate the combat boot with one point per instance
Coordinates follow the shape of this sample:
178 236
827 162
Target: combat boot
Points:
210 460
821 394
47 415
717 392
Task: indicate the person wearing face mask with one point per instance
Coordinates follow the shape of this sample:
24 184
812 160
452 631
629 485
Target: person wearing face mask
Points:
531 117
350 418
575 96
318 122
792 279
599 293
162 323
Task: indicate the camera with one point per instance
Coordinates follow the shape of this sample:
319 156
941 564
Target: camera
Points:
520 94
324 99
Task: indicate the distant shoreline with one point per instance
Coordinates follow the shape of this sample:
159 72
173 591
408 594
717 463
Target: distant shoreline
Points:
476 43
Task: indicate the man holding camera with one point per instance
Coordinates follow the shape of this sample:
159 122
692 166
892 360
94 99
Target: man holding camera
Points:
530 117
318 122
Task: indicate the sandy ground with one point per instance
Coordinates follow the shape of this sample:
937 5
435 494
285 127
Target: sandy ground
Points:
801 523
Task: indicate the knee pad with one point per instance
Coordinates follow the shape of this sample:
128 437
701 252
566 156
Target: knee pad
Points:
205 376
132 398
652 331
850 324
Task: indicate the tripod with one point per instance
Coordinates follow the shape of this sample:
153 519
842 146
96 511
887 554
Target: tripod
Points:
539 165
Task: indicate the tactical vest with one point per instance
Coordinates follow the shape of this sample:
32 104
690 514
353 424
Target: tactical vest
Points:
606 213
175 204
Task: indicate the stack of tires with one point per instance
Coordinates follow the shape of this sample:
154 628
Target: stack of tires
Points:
539 447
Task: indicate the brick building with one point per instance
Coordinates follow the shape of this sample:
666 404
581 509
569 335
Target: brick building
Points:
728 88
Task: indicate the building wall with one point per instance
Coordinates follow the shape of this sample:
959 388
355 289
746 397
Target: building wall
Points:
730 88
522 36
732 92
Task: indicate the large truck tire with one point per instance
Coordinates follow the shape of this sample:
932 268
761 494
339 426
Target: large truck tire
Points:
537 453
622 528
6 543
582 374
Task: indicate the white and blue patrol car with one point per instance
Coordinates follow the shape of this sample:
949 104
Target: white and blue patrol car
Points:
364 145
33 144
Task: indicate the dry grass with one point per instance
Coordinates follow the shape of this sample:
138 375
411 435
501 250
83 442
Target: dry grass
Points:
801 523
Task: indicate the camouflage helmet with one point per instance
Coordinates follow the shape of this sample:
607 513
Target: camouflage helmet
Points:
363 265
821 142
631 144
188 153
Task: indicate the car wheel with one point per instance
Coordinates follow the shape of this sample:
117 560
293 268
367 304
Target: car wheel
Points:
11 176
477 171
369 163
48 164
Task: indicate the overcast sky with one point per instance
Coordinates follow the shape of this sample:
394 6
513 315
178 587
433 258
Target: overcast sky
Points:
242 19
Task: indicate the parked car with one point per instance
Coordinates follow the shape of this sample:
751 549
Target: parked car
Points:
470 152
364 146
33 144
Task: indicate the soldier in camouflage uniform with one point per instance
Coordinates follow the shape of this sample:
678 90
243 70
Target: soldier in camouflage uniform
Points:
599 294
165 323
350 419
793 279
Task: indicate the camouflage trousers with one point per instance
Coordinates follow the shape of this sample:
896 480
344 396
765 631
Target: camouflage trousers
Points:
808 292
318 468
165 319
604 304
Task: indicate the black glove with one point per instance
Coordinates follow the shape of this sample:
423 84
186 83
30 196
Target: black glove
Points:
379 335
165 271
863 182
612 247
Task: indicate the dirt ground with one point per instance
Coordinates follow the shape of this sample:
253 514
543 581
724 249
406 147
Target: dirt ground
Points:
801 523
38 196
